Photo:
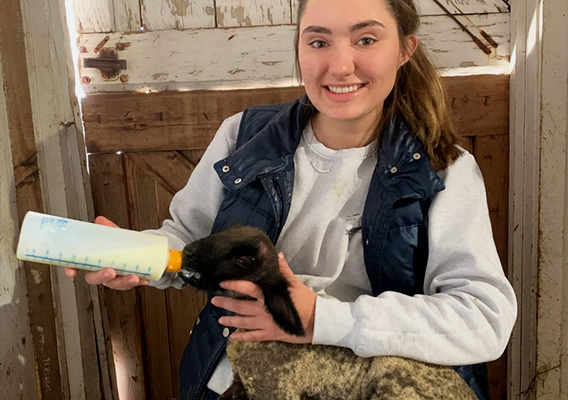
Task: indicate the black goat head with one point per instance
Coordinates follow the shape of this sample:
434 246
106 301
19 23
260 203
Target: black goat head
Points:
242 253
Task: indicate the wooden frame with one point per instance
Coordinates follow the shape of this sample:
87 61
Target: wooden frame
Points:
526 44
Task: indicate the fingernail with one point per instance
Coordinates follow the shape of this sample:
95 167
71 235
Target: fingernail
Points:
224 285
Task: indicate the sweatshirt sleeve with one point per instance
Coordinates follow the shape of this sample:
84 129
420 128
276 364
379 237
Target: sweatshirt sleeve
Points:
193 208
468 310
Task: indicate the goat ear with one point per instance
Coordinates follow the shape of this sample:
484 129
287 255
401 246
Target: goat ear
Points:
279 304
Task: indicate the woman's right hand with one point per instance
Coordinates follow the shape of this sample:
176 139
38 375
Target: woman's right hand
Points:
108 276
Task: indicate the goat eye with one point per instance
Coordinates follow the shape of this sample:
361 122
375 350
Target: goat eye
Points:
244 261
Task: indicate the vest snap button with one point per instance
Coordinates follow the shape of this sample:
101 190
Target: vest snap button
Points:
225 169
238 180
394 170
416 156
226 332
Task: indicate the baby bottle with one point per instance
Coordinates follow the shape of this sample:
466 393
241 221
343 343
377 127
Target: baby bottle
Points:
48 239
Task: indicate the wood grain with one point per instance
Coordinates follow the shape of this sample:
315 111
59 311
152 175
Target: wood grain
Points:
111 200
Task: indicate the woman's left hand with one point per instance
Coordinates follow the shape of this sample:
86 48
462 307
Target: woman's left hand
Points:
254 322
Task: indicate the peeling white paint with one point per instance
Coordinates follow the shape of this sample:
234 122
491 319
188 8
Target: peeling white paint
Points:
257 56
36 276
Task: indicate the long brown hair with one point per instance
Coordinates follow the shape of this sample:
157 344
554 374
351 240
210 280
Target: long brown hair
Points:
417 94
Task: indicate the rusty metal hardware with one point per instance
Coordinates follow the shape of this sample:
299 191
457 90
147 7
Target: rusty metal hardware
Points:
477 41
485 35
107 62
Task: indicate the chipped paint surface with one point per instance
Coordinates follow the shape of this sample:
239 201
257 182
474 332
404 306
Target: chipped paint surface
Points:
263 56
231 13
127 15
177 14
552 317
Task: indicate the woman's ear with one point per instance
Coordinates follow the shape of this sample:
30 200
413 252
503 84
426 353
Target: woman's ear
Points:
411 46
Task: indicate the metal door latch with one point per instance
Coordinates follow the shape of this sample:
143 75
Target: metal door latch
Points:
107 62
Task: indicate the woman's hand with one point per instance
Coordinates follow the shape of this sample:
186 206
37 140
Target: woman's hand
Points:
108 276
256 323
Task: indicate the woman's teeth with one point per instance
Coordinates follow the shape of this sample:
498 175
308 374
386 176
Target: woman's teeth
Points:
344 89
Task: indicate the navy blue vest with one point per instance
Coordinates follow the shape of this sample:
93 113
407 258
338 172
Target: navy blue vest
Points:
259 179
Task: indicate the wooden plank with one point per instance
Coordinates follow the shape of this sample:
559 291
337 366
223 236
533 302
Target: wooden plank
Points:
188 120
41 310
127 16
169 169
144 213
261 56
231 13
109 196
93 16
492 155
124 15
182 306
18 378
294 7
479 104
46 361
457 7
177 14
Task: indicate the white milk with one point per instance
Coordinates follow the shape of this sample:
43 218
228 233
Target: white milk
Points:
66 242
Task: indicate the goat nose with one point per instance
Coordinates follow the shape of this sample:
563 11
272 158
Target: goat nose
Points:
188 253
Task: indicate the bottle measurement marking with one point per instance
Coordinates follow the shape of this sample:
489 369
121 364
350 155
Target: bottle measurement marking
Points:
94 266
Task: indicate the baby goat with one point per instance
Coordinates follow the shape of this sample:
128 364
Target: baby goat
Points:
283 371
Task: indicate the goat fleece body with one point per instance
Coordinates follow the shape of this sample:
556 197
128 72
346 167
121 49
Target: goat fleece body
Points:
277 370
283 371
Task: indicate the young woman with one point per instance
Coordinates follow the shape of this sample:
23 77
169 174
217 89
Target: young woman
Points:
381 218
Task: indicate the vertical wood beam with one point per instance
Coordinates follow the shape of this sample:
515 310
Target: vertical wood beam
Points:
16 347
552 343
525 105
28 195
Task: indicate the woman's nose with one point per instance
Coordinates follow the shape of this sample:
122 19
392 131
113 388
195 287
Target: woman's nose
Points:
342 62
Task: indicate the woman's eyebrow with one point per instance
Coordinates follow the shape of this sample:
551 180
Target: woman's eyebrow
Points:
353 28
317 29
365 24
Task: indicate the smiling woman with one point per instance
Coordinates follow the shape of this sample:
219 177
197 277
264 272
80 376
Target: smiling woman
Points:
349 67
360 63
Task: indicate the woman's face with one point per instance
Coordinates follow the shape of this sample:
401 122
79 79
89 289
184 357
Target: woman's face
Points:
349 54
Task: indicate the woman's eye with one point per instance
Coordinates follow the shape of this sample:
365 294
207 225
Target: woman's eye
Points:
318 44
366 41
